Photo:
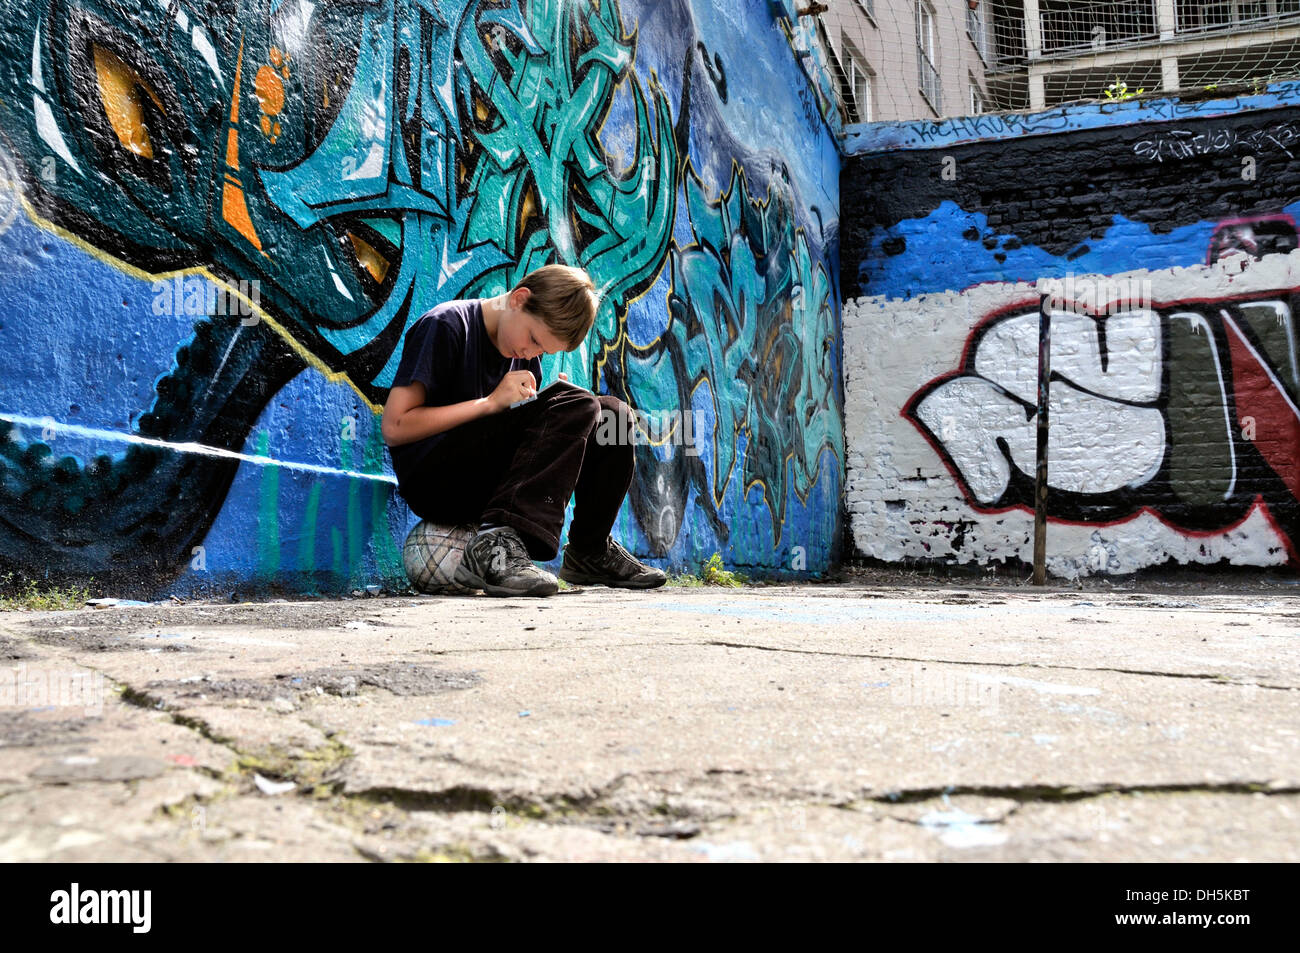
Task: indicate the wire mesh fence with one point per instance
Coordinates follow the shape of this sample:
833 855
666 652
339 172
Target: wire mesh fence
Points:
913 59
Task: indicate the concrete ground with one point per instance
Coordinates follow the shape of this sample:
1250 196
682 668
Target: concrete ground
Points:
856 721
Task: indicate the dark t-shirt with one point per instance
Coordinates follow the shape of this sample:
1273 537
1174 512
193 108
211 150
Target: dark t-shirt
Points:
448 351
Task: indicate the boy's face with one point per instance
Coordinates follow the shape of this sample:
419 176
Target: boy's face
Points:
524 335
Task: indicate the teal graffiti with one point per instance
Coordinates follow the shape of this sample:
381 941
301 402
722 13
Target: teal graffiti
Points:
268 513
307 533
360 162
385 156
752 317
541 92
387 558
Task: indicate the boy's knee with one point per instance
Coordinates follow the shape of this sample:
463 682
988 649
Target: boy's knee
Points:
616 424
583 409
591 406
612 413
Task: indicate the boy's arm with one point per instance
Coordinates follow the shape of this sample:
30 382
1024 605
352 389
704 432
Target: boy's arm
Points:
406 418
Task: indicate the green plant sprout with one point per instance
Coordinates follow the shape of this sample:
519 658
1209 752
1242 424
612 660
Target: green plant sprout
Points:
712 573
715 575
1118 91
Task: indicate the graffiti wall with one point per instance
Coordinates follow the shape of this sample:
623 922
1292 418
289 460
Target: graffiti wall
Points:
1163 253
219 220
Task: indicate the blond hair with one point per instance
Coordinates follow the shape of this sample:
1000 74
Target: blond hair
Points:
564 299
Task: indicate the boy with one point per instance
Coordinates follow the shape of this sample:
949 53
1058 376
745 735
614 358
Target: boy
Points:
466 450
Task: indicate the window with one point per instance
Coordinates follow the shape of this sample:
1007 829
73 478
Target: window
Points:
976 30
856 83
931 88
861 91
869 8
977 103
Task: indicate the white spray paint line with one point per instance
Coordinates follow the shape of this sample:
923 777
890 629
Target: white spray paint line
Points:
199 448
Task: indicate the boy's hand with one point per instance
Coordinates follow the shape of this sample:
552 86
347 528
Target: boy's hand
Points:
514 386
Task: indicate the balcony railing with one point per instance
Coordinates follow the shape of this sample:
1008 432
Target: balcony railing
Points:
1202 17
1073 27
1069 26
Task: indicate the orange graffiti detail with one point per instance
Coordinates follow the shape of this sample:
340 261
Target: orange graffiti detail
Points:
119 93
270 91
234 208
235 211
369 257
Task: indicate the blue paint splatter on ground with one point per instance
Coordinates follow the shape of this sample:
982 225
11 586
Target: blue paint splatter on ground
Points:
956 828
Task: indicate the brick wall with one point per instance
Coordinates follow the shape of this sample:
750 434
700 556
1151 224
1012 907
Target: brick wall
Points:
1164 250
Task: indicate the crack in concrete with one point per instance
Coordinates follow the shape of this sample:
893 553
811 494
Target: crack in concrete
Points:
463 797
328 794
142 699
451 800
1213 678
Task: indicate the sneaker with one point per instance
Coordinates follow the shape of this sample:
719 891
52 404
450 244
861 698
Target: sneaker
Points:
497 562
612 566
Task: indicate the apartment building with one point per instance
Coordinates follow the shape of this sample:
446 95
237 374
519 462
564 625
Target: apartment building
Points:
909 59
